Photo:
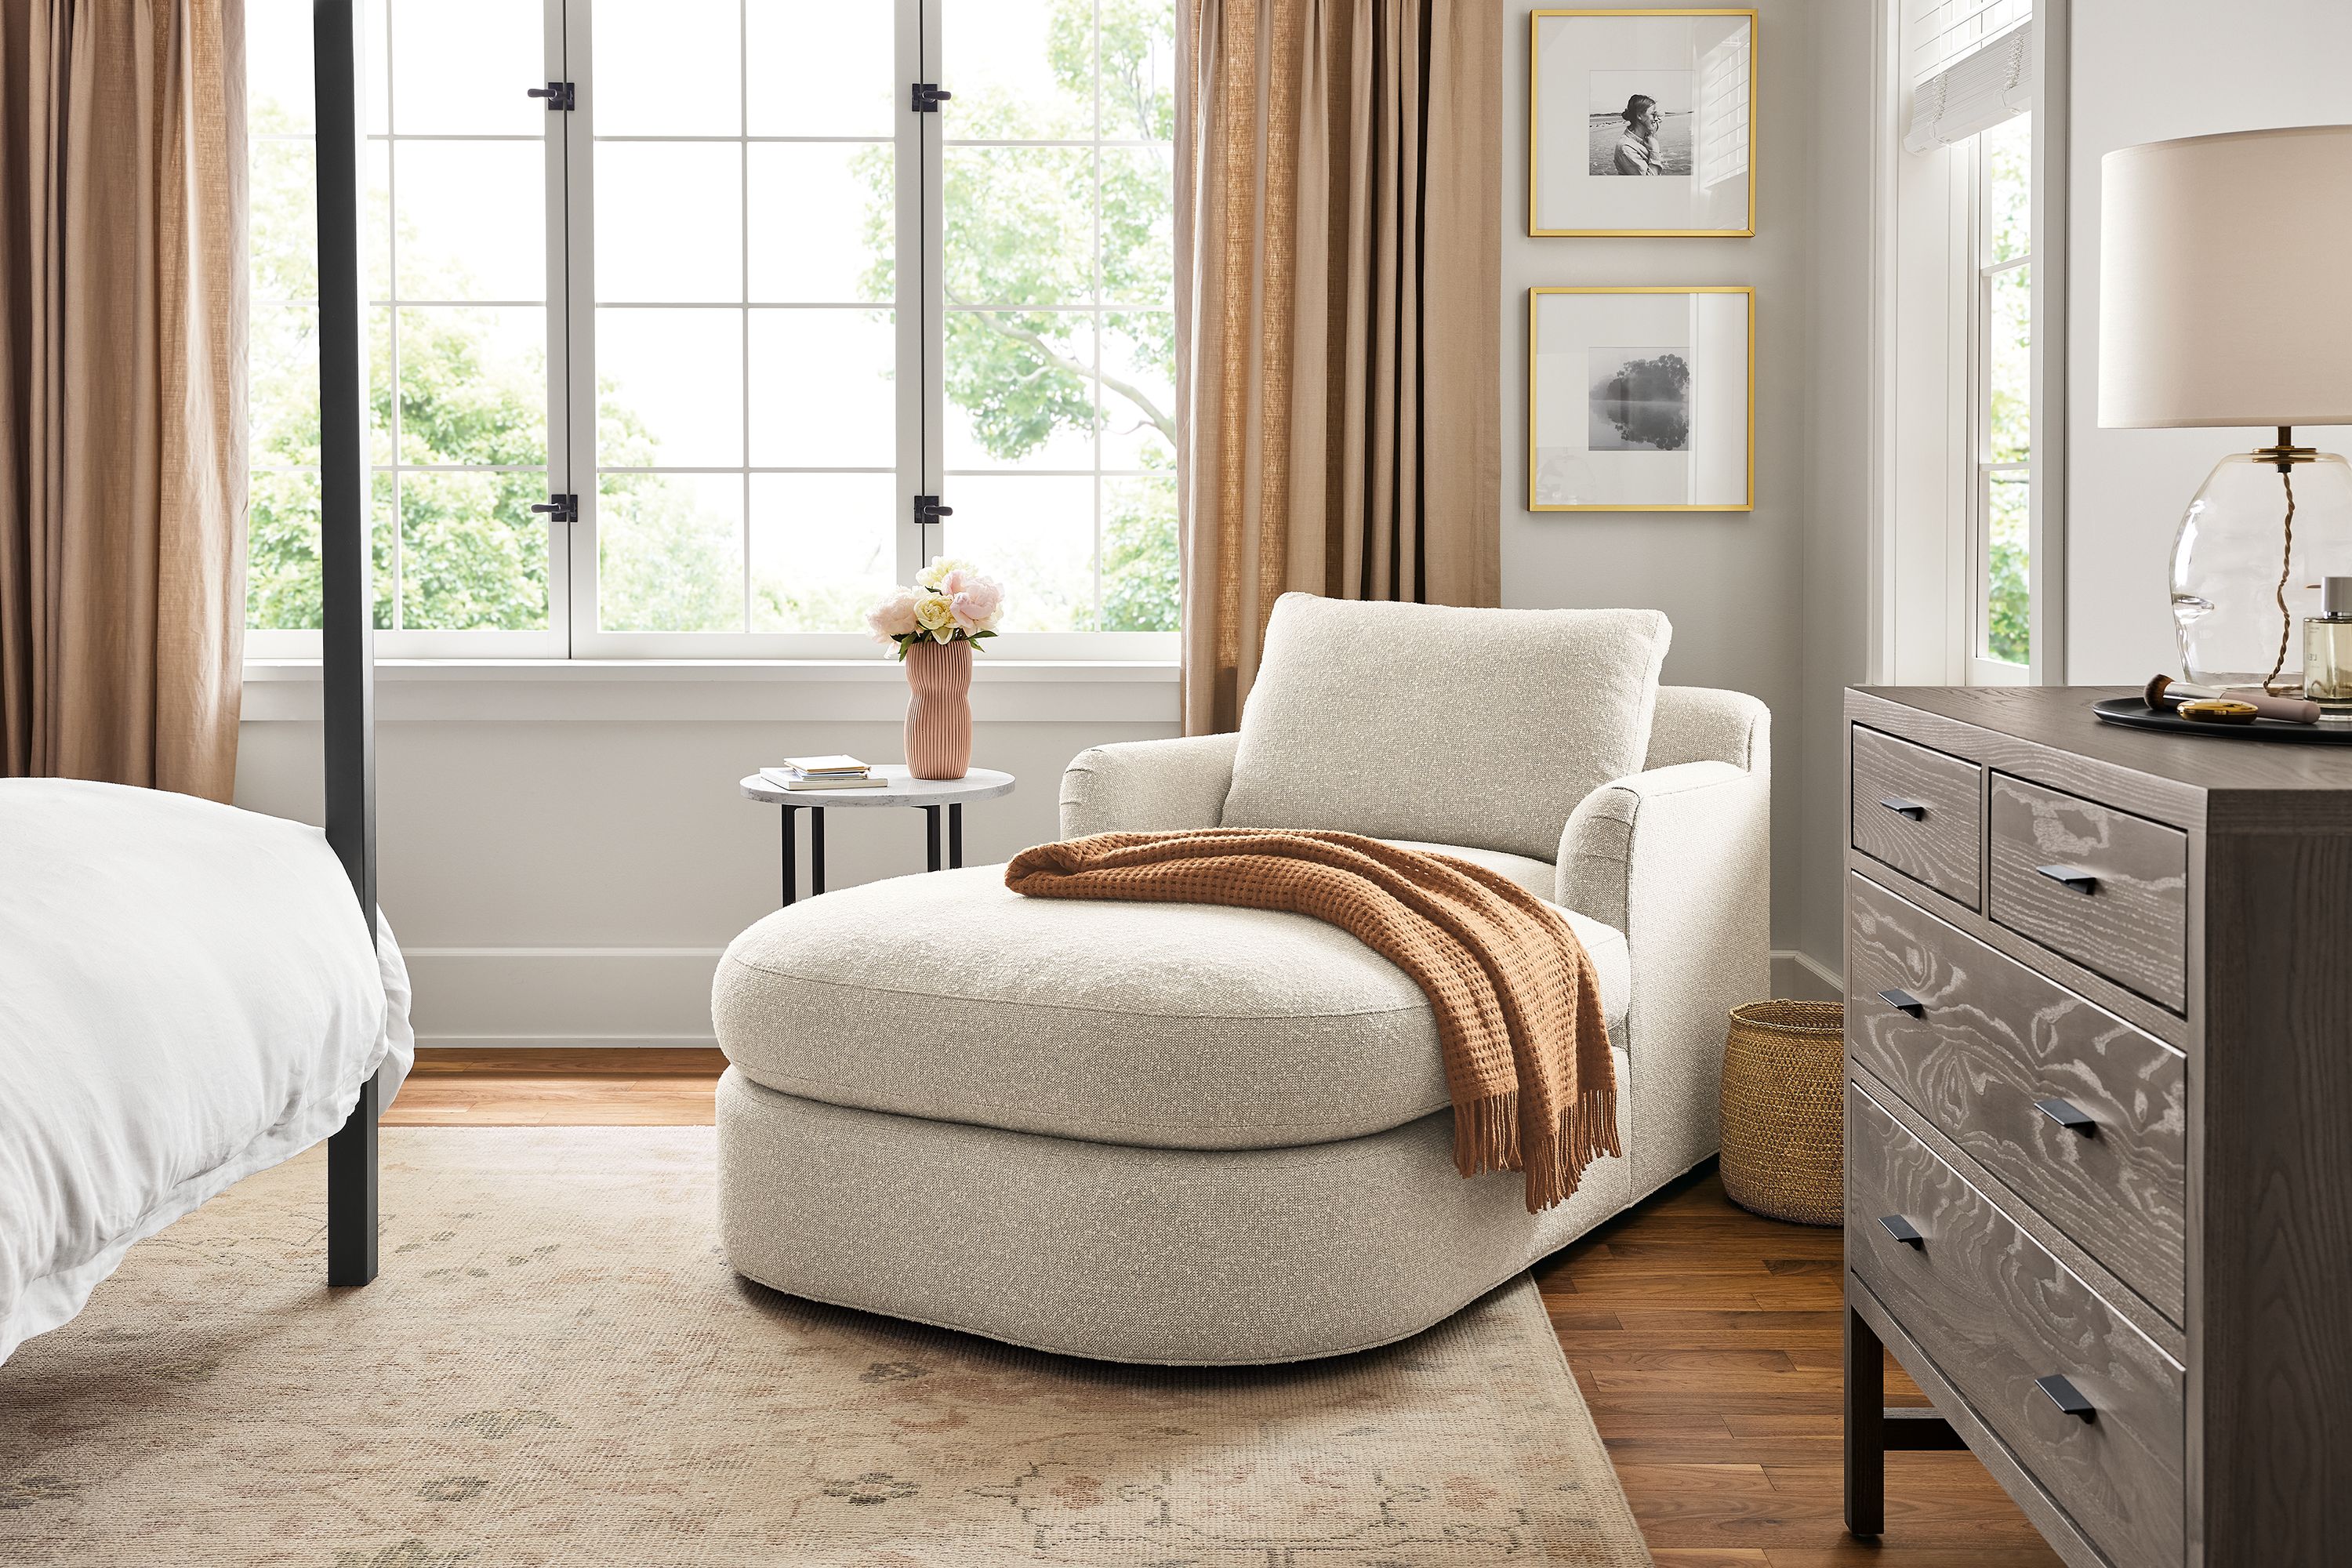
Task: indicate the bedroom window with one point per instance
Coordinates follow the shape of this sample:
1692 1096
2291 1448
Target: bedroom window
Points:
1971 531
727 317
2000 543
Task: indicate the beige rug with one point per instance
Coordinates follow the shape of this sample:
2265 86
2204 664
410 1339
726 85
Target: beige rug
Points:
557 1367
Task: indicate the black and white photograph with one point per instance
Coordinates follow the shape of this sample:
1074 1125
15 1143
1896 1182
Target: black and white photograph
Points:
1642 123
1640 397
1640 400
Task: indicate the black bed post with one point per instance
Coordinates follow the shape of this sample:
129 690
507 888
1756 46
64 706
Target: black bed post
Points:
346 602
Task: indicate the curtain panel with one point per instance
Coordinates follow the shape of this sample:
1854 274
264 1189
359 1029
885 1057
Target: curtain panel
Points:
122 418
1339 255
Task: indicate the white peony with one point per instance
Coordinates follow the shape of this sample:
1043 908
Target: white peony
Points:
938 572
893 618
977 601
935 616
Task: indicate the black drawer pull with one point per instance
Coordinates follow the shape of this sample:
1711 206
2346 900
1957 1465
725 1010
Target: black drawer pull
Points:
2069 1116
1904 1001
2066 1397
2072 876
1901 807
1903 1231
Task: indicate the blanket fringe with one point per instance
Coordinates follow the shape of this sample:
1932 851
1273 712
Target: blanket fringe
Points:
1487 1138
1487 1133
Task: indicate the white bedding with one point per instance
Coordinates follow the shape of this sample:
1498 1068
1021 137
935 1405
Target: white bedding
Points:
186 997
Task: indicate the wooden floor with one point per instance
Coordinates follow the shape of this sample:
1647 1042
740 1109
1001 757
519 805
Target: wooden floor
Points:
1706 1340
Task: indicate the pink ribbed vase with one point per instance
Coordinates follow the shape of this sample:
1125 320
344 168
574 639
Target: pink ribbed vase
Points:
939 710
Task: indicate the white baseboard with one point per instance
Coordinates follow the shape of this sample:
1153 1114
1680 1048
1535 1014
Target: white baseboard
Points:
1804 978
578 996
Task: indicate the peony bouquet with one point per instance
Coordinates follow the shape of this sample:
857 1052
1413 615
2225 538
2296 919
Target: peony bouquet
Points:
951 602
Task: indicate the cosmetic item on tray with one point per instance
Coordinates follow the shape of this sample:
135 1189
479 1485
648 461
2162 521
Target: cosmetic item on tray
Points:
2327 649
2217 711
2168 695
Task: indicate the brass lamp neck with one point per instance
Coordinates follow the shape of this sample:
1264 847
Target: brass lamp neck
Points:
2286 454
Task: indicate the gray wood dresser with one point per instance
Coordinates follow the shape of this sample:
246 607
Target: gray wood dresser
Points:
2099 1125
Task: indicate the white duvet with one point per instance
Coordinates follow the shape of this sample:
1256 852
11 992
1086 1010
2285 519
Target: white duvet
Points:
187 995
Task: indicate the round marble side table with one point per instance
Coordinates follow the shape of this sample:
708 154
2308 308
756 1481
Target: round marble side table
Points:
903 789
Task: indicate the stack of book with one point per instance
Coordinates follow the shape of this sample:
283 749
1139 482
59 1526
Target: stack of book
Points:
823 773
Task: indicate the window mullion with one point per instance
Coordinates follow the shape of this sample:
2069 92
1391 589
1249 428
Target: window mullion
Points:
921 250
574 247
560 478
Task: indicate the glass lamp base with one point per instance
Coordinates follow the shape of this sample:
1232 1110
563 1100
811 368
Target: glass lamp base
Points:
2236 543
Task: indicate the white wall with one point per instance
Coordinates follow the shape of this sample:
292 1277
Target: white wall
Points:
1767 602
564 855
2146 70
1835 645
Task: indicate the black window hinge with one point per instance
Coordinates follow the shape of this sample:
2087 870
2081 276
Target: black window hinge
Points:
928 509
559 95
559 508
928 96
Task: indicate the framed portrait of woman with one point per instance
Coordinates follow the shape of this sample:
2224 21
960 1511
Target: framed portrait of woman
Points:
1641 122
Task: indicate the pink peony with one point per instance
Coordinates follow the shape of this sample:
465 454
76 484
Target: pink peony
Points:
893 618
976 600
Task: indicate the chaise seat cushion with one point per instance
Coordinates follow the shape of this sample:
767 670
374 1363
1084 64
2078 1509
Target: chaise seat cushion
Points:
950 997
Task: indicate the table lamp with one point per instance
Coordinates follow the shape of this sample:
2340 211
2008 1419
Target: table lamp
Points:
2225 297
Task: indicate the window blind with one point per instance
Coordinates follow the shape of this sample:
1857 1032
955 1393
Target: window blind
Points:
1972 65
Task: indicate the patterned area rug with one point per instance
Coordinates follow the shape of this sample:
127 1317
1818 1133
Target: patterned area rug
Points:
557 1367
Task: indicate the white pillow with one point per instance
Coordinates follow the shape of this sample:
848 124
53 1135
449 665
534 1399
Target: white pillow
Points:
1483 728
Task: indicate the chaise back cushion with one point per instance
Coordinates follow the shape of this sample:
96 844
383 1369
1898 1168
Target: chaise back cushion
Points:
1483 728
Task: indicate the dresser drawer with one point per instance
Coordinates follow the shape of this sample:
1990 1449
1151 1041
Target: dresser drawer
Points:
1916 810
2085 1116
1997 1314
2109 889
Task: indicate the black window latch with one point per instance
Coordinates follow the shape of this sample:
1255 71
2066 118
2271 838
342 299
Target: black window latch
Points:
559 508
928 96
928 509
559 95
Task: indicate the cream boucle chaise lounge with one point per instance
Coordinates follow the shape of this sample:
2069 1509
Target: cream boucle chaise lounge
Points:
1182 1133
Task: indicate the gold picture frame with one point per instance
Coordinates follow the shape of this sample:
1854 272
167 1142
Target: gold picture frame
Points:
1537 484
1536 202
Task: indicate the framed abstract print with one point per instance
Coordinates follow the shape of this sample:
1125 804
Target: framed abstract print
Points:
1642 399
1641 122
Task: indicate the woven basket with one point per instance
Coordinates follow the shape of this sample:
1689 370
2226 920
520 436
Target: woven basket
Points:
1784 1111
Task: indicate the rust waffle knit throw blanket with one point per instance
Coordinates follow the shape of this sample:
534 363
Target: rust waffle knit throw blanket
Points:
1518 1004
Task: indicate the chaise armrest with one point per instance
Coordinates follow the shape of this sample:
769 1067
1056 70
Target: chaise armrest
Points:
1142 786
1679 858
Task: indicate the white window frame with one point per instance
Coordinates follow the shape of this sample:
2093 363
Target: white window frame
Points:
572 631
1928 540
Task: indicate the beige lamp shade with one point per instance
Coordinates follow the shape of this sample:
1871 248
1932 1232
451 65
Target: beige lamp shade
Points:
2225 280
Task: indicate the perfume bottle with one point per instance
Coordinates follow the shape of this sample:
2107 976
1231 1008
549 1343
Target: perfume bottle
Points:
2327 652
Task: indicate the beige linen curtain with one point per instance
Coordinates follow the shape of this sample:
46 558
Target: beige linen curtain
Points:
122 421
1338 217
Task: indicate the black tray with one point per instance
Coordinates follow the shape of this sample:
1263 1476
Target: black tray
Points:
2134 713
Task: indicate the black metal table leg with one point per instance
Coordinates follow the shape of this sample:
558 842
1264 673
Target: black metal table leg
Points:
1865 1427
816 850
932 836
792 855
955 836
